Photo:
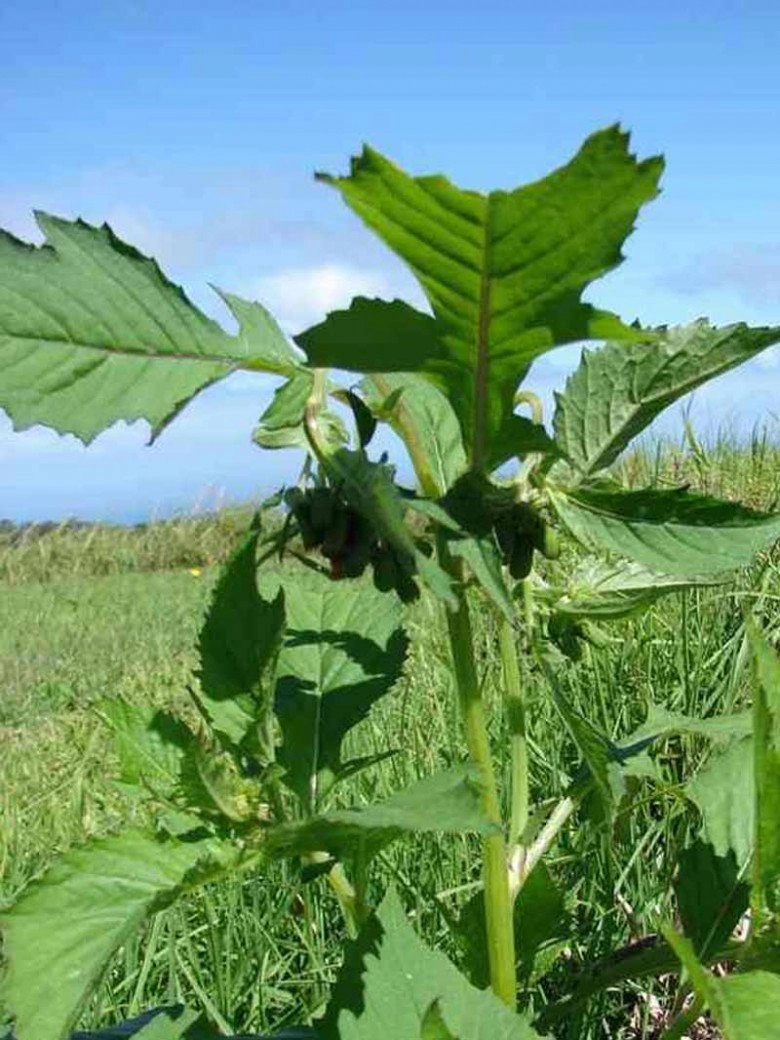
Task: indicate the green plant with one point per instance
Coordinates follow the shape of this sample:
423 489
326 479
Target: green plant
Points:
292 661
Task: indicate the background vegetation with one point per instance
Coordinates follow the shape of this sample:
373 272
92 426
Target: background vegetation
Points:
93 612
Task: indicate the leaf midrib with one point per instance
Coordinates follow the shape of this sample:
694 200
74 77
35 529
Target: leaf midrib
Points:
118 351
483 341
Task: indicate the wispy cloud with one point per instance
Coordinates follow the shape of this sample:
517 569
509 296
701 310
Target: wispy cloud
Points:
751 273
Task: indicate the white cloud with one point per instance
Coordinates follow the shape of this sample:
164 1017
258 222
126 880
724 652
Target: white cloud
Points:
301 296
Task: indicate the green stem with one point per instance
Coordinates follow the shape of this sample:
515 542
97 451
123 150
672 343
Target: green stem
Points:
312 411
515 709
498 907
354 910
679 1028
524 859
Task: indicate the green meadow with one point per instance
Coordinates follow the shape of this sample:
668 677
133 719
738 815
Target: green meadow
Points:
95 612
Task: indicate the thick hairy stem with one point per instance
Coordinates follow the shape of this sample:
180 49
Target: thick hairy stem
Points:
498 907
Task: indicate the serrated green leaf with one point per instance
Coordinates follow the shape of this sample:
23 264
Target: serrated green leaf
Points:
390 979
447 802
61 933
423 417
766 729
609 591
263 344
662 723
711 897
620 389
724 792
149 742
238 641
504 274
672 532
343 649
91 331
289 402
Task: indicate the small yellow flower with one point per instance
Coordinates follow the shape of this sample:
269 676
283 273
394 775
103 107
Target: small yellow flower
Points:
195 572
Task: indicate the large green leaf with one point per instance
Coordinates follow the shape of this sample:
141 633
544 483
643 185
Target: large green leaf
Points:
617 589
390 980
618 390
423 417
749 1005
724 792
711 897
239 639
766 729
64 929
504 274
446 802
91 331
674 532
344 648
662 723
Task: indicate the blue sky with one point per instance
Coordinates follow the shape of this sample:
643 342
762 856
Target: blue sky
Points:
194 130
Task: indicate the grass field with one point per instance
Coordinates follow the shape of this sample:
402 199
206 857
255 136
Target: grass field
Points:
99 612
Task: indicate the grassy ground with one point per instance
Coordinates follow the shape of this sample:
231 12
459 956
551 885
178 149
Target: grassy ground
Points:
93 613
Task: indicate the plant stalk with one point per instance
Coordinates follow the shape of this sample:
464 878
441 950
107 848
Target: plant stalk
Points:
498 907
515 709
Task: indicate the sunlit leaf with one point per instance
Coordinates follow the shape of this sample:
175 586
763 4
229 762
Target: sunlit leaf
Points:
446 802
423 417
672 532
618 589
619 389
724 792
63 930
504 274
390 980
343 649
150 743
91 331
